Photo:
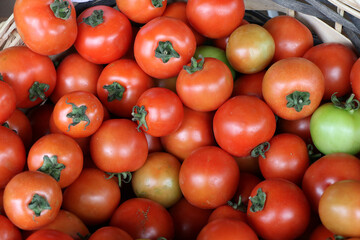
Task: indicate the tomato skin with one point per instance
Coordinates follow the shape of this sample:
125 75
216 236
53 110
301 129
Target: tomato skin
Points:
49 234
300 127
291 75
249 84
208 177
140 11
107 41
227 212
321 233
252 119
162 29
16 202
41 30
204 16
21 68
7 101
8 231
246 184
335 61
110 233
355 78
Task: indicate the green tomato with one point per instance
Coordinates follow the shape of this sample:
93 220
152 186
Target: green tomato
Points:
214 52
335 127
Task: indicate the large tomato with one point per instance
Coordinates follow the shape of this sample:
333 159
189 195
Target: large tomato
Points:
47 27
300 127
7 101
141 11
355 78
163 46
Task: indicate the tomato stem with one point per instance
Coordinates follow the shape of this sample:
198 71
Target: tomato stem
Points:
77 114
37 90
298 100
1 77
122 177
237 206
61 9
348 105
260 150
115 91
96 18
157 3
195 65
51 167
139 114
38 204
258 201
165 51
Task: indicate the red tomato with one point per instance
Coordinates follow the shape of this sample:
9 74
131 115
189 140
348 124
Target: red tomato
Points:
215 19
49 234
141 11
204 85
335 61
7 101
32 76
78 114
222 42
246 184
321 233
278 209
32 200
209 177
292 38
143 218
355 78
242 123
158 112
104 34
154 143
230 211
110 233
120 85
75 73
92 190
163 46
249 84
47 27
300 127
8 231
293 88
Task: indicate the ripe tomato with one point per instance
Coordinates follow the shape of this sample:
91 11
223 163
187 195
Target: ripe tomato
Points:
32 76
163 46
49 234
321 233
242 123
104 34
120 85
205 84
92 190
355 78
293 88
110 233
335 61
278 209
250 48
142 11
7 101
249 84
32 199
209 177
78 114
158 112
75 73
300 127
47 27
246 184
292 38
154 143
143 218
205 16
8 231
234 211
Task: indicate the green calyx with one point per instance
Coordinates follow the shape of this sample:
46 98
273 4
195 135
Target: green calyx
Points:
237 206
37 90
6 124
258 201
157 3
77 114
349 105
122 177
38 204
51 167
298 100
139 114
115 91
61 9
165 51
260 150
96 18
195 65
1 77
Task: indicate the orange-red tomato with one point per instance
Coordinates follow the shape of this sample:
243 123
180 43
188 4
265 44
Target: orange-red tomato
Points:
7 101
49 234
249 84
8 231
110 233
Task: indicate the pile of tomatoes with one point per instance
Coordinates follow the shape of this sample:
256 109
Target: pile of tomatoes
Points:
181 120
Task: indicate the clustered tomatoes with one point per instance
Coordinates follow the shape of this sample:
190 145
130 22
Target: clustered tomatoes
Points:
159 119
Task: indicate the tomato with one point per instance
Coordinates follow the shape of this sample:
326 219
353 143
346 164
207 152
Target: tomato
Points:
205 84
78 114
326 171
158 179
278 209
250 48
163 45
293 88
32 76
47 27
341 201
321 233
242 123
92 190
8 231
110 233
355 78
222 42
7 101
57 155
13 155
215 19
154 143
39 118
32 199
143 218
227 229
118 147
234 211
335 61
142 11
49 234
209 177
158 112
104 34
195 131
120 85
249 84
286 157
300 127
334 127
246 184
292 38
75 73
